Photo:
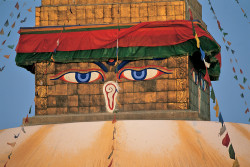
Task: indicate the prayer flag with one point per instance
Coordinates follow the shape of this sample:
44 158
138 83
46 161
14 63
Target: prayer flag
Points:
26 119
247 110
197 40
219 24
11 14
9 33
237 1
7 56
29 10
232 51
110 154
224 39
231 60
245 103
242 10
235 77
9 155
202 54
225 34
248 87
227 48
242 95
212 95
191 15
17 6
221 119
22 128
1 32
110 163
242 87
236 163
11 46
206 63
16 136
13 25
114 120
244 80
222 130
212 9
18 15
229 43
6 23
231 152
5 164
3 42
22 21
207 78
1 69
12 144
226 140
233 69
216 108
30 109
241 71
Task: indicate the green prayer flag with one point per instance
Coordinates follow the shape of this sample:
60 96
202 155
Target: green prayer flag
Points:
224 33
9 33
212 95
11 46
30 109
242 95
231 152
244 80
235 77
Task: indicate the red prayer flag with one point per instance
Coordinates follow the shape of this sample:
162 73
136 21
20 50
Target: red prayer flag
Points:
114 120
191 15
26 119
5 164
110 163
3 42
17 6
218 24
233 69
247 110
207 78
226 140
241 71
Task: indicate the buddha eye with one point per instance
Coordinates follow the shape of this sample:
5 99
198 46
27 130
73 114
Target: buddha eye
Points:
80 76
142 73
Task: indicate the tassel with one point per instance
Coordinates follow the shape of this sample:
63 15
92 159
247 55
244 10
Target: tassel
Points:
247 110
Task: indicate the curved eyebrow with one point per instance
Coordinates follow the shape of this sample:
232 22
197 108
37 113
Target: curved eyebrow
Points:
55 77
121 65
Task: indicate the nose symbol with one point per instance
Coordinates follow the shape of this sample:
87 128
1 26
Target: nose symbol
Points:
110 92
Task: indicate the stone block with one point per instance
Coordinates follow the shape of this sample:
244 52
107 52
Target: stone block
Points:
73 100
150 106
161 9
172 97
135 19
80 22
135 11
182 106
139 86
161 85
61 101
161 96
94 88
119 98
150 97
125 10
41 103
83 110
95 100
83 89
41 112
73 110
171 62
128 87
182 96
128 98
138 107
95 109
127 107
182 84
61 110
99 11
107 11
51 111
125 20
40 68
181 73
41 80
72 89
172 106
51 101
84 100
152 10
161 106
150 85
172 85
143 10
139 98
41 91
90 12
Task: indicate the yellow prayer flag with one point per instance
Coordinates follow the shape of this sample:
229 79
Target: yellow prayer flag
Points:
242 87
224 39
197 40
229 43
236 163
12 144
7 56
29 9
216 108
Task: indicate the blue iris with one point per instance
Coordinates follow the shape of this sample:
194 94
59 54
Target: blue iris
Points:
139 75
83 77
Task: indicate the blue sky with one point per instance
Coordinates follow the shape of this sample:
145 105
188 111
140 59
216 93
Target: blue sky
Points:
17 85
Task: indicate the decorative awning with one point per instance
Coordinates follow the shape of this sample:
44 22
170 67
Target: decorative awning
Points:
147 40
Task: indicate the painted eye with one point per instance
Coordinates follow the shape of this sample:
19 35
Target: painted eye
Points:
79 76
141 74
